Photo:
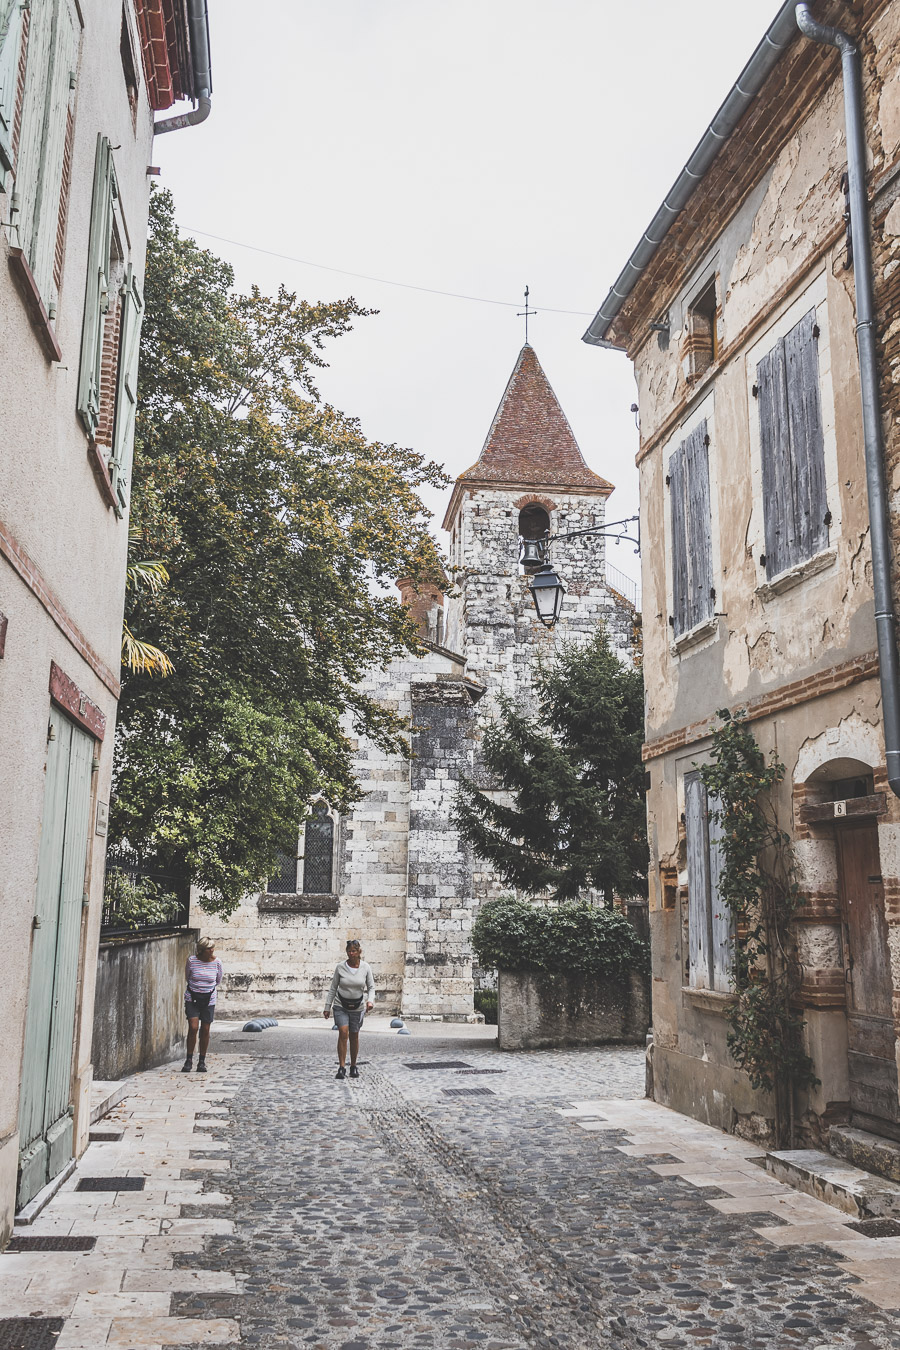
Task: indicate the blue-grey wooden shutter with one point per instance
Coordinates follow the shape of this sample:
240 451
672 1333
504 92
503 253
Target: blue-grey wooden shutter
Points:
126 389
691 531
96 298
677 508
41 247
700 937
792 449
11 16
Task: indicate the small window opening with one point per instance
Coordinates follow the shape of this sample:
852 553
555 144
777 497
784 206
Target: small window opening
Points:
128 68
701 347
534 523
844 788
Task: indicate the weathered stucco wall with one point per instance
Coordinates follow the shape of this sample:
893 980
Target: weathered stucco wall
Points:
539 1011
62 562
139 1005
767 225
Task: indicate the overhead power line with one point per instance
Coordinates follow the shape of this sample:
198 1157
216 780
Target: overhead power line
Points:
382 281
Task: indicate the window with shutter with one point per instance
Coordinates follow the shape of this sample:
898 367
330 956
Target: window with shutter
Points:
97 290
689 499
53 37
12 13
710 928
792 449
126 389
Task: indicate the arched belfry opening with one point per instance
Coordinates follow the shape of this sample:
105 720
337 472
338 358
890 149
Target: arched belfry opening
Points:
534 523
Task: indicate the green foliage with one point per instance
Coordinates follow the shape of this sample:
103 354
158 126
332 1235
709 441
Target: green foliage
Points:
281 529
573 938
573 814
137 902
486 1004
758 886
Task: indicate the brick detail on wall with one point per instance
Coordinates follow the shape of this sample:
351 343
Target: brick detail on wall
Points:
60 250
764 705
109 367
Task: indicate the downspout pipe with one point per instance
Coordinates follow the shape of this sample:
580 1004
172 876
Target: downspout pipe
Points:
885 621
198 23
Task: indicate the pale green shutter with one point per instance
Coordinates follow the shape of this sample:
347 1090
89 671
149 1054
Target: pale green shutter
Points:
126 389
41 246
11 15
34 115
96 298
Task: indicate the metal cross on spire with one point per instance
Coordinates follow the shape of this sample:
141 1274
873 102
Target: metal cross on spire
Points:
525 314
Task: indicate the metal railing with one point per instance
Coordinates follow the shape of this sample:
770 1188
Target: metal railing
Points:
120 921
618 581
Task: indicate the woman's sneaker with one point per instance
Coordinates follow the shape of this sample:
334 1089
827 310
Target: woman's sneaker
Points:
341 1073
201 1066
354 1071
188 1064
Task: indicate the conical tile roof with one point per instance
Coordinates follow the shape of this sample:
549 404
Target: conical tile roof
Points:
530 441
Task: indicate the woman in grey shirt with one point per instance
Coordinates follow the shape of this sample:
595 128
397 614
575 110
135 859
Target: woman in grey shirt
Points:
352 993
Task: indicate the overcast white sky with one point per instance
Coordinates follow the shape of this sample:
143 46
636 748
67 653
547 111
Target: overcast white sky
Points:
466 145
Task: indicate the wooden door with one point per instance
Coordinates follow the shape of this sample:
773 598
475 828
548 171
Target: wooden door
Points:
45 1105
873 1065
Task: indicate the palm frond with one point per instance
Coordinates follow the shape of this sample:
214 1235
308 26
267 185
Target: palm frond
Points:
142 657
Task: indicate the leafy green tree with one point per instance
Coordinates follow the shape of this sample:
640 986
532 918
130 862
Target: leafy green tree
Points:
571 816
281 529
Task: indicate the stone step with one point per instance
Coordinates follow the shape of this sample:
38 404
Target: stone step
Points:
836 1182
871 1152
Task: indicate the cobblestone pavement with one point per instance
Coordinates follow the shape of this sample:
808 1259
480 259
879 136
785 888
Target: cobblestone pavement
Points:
519 1202
435 1207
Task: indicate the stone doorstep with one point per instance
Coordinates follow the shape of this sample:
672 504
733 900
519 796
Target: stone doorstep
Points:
871 1152
836 1182
106 1095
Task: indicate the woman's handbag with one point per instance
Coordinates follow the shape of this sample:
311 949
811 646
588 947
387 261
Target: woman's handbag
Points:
350 1004
200 1000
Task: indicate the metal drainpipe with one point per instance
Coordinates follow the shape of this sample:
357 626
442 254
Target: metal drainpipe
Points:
885 622
199 26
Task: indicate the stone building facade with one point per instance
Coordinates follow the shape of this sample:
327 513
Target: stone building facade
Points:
80 84
757 577
399 876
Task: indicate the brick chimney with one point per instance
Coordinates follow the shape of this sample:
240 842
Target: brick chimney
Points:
426 605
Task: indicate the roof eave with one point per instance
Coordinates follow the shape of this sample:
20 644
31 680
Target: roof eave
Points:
781 32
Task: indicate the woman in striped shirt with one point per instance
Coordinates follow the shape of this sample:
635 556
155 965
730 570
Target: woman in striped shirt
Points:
202 975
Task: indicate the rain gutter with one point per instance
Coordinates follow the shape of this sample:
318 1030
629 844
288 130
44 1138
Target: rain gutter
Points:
885 622
779 36
198 24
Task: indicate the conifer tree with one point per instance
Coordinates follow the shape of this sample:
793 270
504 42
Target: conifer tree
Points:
569 815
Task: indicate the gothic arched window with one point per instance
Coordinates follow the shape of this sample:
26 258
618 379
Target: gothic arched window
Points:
318 852
283 880
534 523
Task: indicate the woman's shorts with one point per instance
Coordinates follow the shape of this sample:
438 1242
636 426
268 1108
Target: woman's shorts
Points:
206 1014
345 1018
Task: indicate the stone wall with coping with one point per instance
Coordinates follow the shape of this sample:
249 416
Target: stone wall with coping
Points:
542 1010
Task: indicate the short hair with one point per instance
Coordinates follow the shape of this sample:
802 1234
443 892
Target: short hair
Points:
205 945
354 942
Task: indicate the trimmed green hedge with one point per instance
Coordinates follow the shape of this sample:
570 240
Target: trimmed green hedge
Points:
574 938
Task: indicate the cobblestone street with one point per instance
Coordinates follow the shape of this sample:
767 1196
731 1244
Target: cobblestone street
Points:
453 1197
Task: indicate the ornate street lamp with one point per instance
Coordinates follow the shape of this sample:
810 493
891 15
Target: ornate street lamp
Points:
547 591
547 587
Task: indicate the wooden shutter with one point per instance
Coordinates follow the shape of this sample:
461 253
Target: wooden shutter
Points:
40 243
691 531
12 13
792 449
700 937
126 389
34 112
721 921
96 298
